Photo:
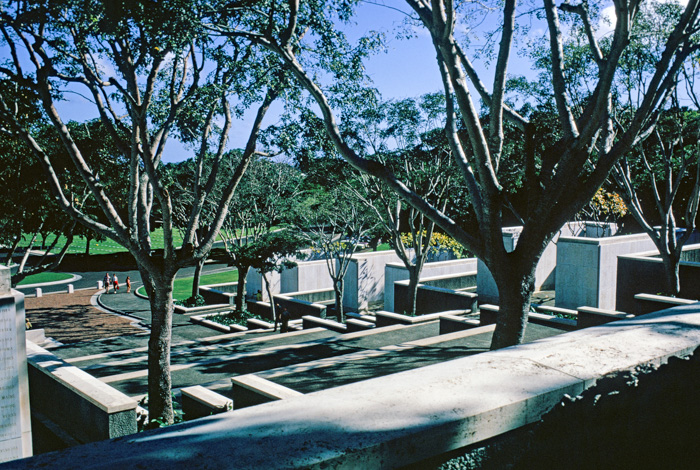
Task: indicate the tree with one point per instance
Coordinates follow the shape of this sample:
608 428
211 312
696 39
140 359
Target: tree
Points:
275 252
404 135
664 163
150 73
559 180
334 225
261 205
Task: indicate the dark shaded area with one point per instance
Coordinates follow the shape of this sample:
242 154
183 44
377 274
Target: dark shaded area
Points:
642 419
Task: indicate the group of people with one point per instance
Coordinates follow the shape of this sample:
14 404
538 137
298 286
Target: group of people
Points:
113 282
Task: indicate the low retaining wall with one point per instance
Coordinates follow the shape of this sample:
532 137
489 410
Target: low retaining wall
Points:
642 273
481 396
432 299
319 295
299 308
69 406
219 294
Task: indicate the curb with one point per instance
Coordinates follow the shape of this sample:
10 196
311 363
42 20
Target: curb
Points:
96 301
75 277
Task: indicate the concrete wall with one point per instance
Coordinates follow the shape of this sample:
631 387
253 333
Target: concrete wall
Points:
397 272
254 282
15 419
81 406
587 268
306 276
643 273
433 299
453 404
364 281
545 273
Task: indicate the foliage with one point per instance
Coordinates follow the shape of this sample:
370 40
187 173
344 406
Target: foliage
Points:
439 243
604 207
194 301
237 317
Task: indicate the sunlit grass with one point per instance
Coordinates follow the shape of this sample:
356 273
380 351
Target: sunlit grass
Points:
182 288
44 277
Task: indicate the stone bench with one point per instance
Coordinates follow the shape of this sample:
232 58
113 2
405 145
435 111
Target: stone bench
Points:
249 390
451 323
309 322
353 325
647 303
591 316
198 402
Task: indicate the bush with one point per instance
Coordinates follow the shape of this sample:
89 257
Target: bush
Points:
238 317
195 301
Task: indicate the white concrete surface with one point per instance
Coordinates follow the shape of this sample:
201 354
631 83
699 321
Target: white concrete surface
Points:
15 425
587 268
546 273
307 275
364 281
394 272
254 282
403 418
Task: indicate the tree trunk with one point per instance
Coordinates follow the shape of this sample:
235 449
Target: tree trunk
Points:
15 244
269 296
197 276
514 292
87 246
672 273
240 288
413 275
338 288
20 269
160 295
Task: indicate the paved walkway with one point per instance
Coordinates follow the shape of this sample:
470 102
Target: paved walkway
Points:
71 318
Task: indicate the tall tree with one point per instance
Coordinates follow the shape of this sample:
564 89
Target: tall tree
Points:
150 72
558 181
405 135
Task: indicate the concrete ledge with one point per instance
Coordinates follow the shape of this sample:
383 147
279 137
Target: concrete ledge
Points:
547 309
255 324
565 324
590 316
198 402
488 314
452 405
202 320
83 407
361 316
202 309
647 303
249 390
353 325
391 318
452 323
309 322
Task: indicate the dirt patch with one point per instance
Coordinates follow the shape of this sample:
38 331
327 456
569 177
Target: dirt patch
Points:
71 318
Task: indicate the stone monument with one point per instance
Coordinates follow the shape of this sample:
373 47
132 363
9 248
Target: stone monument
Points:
15 420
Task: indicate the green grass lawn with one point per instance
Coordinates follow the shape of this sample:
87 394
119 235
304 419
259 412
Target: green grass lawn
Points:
182 288
45 277
105 247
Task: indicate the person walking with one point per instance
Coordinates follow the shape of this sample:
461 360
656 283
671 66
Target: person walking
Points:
128 284
284 317
107 283
116 283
